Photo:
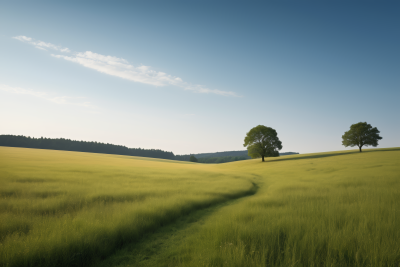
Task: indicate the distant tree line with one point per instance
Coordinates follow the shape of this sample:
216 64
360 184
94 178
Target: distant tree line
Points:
238 153
96 147
82 146
195 158
182 157
220 159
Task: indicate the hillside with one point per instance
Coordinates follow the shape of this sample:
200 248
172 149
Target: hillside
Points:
325 209
62 208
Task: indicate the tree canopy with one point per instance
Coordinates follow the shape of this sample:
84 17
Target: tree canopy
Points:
262 141
361 134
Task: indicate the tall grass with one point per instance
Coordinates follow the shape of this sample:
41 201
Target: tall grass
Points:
332 209
61 208
328 209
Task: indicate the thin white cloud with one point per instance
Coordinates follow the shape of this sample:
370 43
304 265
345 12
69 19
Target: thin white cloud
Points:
63 100
40 44
121 68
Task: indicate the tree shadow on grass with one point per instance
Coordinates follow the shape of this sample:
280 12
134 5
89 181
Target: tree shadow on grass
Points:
325 155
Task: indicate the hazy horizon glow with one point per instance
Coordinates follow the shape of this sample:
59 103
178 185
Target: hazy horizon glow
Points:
196 77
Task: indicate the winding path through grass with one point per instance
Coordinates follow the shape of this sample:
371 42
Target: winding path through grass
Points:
327 209
77 209
61 208
154 248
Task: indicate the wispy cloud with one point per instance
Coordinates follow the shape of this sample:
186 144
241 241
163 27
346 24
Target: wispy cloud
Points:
63 100
40 44
121 68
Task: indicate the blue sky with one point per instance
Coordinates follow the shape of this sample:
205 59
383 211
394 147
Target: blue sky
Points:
195 76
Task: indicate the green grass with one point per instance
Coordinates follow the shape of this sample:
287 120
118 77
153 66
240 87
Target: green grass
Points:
327 209
61 208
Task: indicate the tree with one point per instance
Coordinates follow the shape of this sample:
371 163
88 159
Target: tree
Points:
361 134
262 141
193 158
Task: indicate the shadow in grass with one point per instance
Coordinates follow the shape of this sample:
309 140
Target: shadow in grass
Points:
313 156
17 229
153 248
33 180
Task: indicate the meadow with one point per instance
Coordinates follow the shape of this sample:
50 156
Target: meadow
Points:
60 208
327 209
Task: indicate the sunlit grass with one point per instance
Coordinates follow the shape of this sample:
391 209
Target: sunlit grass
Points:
328 209
61 208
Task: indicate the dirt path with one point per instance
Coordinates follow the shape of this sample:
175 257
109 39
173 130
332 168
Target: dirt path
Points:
154 247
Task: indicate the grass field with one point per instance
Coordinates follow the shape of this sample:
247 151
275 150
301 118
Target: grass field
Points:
67 208
327 209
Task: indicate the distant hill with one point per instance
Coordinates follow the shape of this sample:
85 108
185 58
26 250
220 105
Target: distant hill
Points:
221 157
238 153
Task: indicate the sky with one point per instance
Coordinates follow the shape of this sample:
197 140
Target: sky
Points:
196 76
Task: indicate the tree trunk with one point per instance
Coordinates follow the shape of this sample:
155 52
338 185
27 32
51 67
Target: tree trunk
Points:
360 148
262 158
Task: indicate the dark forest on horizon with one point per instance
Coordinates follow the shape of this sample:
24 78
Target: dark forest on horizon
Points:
97 147
81 146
